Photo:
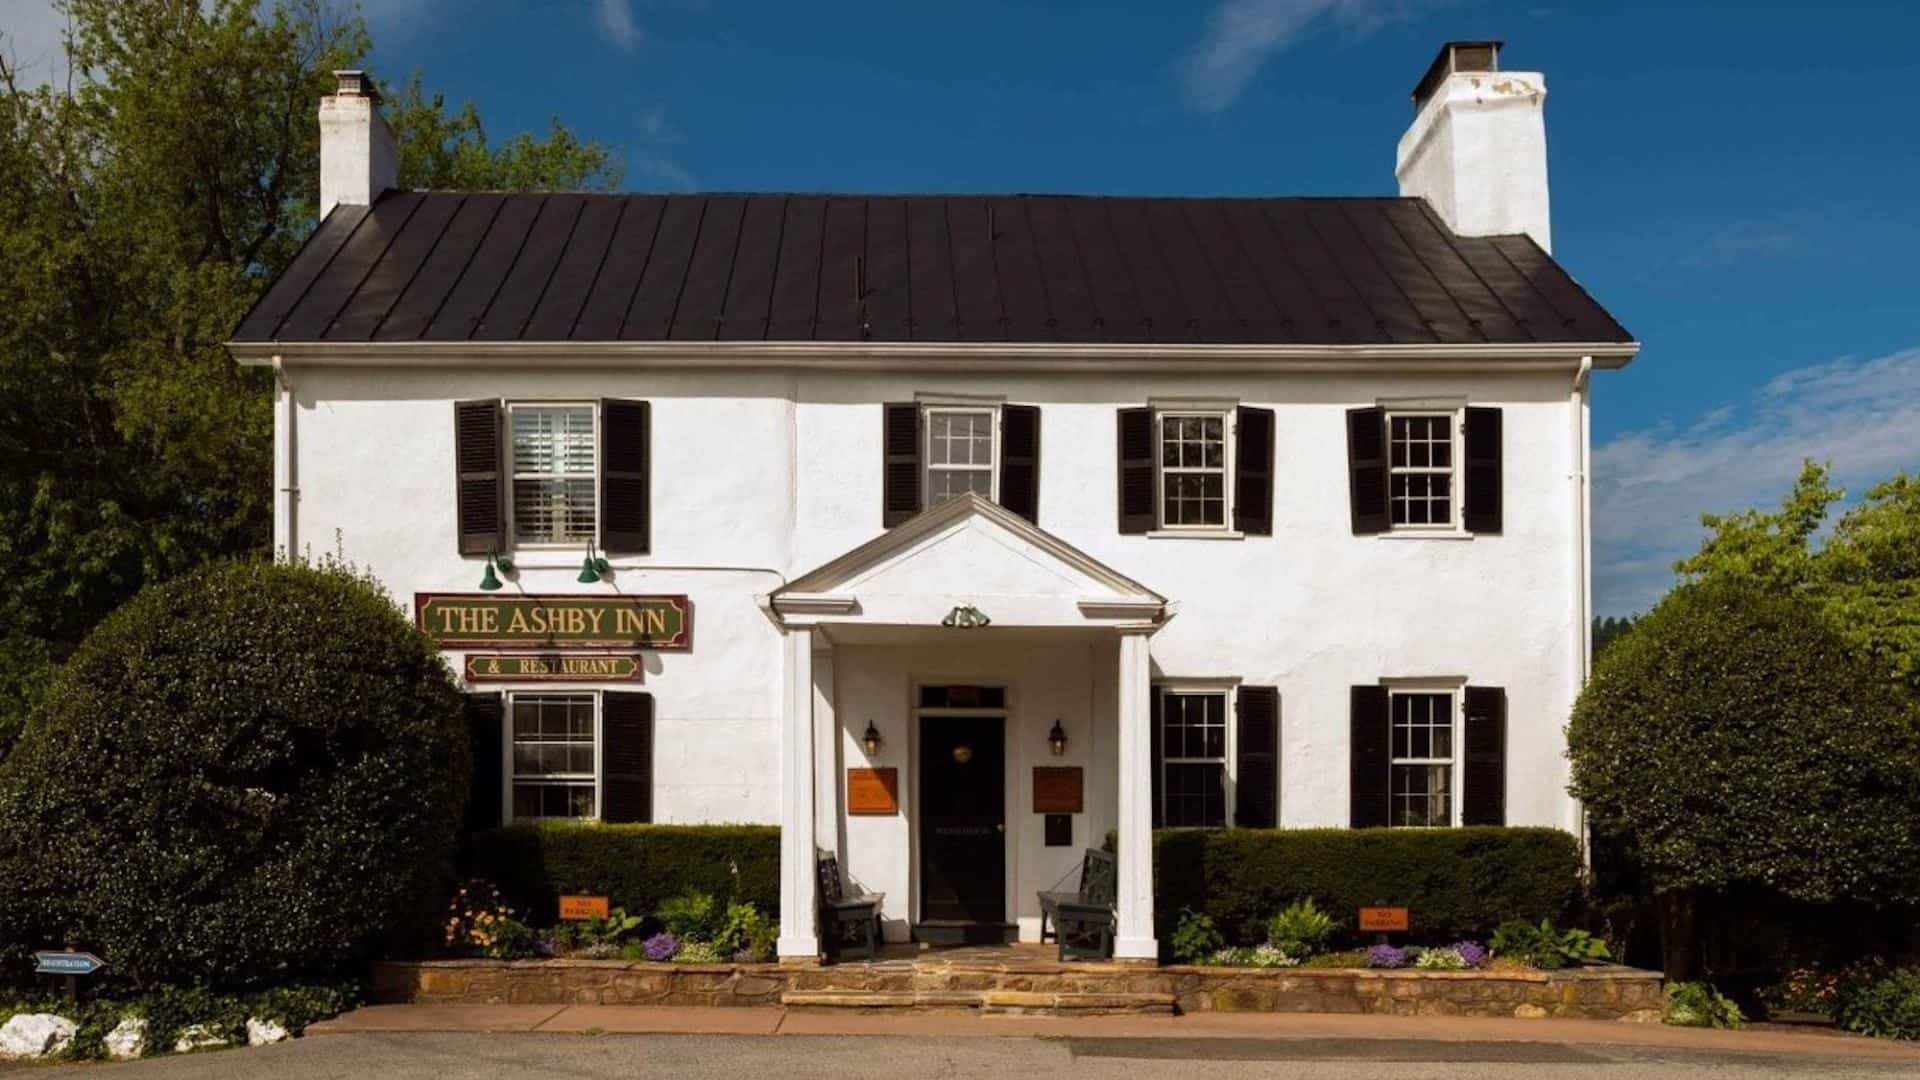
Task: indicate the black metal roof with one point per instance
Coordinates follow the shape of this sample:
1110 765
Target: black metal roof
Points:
451 266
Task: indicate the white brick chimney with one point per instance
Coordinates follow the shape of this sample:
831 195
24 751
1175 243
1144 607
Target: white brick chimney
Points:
1477 148
358 157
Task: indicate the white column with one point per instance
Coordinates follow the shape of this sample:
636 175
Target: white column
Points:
1135 895
826 753
798 939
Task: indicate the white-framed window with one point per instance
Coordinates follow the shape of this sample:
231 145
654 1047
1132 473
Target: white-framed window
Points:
555 754
1423 758
1195 752
962 451
1193 468
555 473
1423 449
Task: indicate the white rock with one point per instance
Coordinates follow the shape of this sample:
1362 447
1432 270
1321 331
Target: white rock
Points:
261 1032
127 1038
31 1035
197 1037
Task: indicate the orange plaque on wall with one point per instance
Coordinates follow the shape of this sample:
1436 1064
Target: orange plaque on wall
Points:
873 791
1058 790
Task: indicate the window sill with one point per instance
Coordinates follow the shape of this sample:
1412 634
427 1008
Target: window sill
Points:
1425 534
1196 534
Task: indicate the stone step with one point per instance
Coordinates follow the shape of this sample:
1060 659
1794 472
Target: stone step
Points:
991 1002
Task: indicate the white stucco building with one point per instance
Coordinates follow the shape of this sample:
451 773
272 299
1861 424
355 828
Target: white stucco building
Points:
950 533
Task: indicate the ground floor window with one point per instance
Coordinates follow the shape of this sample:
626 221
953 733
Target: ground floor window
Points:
1193 755
1421 772
555 751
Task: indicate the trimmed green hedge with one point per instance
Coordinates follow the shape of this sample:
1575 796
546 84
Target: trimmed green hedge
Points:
1455 883
633 866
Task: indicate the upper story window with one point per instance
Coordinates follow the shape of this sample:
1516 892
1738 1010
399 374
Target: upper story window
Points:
1420 775
1420 469
1196 469
960 452
932 452
555 772
554 473
1193 470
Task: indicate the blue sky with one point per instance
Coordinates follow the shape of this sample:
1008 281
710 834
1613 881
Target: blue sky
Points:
1737 182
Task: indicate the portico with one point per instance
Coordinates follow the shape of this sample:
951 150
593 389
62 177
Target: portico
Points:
943 663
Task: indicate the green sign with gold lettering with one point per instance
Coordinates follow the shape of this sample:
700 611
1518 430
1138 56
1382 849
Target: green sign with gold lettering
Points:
585 622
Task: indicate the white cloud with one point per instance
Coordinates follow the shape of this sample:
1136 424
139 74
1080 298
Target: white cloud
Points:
31 39
1650 487
1242 35
616 22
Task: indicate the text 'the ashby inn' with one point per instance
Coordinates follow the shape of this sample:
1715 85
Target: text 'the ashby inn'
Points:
951 533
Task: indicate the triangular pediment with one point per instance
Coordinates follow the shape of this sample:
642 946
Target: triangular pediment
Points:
968 549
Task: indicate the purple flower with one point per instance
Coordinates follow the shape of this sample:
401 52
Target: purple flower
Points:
1472 953
1386 956
661 947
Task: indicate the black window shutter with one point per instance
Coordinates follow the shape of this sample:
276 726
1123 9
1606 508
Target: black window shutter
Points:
478 477
486 714
626 512
1257 756
1484 784
1367 469
1020 460
1370 747
626 756
1158 755
900 464
1484 441
1136 470
1253 471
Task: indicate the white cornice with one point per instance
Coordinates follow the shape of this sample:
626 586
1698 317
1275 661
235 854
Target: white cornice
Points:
961 356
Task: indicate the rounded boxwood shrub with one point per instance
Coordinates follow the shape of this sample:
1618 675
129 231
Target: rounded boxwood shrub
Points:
250 773
1736 741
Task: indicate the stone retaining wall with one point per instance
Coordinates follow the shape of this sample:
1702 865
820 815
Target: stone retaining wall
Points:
1594 993
578 982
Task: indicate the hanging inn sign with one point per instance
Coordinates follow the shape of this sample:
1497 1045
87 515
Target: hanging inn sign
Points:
465 620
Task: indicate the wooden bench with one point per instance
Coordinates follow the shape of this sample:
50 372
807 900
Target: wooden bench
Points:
1083 920
847 922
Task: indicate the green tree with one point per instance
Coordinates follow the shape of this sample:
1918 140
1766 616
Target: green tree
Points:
1865 576
252 772
145 208
1608 630
1736 740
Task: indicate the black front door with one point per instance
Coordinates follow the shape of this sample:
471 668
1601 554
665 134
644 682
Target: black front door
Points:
963 852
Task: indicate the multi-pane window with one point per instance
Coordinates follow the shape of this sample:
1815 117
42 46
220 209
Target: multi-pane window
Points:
1421 780
553 473
1420 472
1193 470
1193 758
959 453
553 755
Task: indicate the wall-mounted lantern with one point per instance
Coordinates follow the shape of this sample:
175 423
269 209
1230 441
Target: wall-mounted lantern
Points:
870 739
1057 740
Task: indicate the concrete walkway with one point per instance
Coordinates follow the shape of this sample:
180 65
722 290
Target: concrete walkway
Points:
654 1019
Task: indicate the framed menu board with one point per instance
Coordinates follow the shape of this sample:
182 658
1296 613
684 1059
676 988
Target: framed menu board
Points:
1058 790
873 791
